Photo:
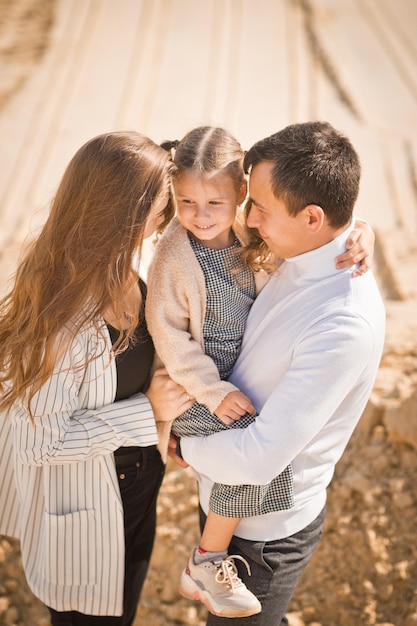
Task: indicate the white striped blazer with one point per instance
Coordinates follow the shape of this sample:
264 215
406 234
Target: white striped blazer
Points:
60 495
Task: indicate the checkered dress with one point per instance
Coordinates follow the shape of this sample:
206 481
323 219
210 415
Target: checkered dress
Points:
228 302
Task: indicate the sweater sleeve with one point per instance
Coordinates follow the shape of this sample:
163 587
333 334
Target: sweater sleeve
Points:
175 309
291 421
62 432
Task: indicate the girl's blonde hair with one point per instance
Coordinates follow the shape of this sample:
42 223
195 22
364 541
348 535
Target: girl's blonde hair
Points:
211 150
82 261
256 253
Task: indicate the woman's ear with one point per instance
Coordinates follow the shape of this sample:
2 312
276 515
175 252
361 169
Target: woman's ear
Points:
315 217
243 190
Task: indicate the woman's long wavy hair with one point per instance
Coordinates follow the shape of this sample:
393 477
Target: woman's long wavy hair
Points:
82 261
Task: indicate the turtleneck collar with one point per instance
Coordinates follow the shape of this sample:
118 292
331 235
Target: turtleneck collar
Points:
320 262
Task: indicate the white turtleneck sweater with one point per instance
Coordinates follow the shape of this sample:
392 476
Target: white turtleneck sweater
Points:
309 359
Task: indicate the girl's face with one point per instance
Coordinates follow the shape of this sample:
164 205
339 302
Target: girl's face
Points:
206 207
156 215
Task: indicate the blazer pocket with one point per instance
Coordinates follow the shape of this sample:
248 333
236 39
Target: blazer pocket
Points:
70 548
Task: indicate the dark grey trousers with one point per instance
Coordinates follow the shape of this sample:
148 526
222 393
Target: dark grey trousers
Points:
276 567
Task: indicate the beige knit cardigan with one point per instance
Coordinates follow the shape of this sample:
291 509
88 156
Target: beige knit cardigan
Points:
175 313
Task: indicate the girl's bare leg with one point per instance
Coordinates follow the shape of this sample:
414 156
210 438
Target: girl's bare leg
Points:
218 532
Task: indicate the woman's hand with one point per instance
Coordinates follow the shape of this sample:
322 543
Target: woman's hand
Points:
360 249
168 399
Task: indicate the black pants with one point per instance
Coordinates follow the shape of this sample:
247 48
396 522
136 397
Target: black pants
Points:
140 476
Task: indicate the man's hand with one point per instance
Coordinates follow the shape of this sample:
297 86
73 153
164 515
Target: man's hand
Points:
172 452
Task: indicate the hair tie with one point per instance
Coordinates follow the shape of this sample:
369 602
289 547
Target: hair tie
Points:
170 146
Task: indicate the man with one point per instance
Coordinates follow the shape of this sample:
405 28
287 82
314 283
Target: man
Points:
309 359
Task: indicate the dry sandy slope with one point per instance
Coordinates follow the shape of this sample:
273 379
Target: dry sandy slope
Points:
365 570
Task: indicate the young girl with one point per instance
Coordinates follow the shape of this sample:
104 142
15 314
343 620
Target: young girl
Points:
75 367
200 294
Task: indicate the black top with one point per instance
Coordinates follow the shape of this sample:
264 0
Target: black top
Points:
133 366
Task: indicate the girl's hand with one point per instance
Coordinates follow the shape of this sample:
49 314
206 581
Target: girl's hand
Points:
168 399
233 407
360 249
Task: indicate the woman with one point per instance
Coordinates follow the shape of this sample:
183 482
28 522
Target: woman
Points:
75 370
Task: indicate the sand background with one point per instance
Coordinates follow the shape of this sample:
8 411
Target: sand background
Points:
252 67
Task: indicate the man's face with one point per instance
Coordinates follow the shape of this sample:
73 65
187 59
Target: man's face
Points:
284 234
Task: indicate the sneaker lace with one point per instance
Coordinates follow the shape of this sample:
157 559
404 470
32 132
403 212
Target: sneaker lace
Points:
227 572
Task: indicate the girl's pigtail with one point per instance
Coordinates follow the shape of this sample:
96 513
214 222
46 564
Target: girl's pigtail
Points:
170 146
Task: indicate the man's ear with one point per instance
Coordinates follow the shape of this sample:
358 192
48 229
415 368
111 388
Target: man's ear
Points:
315 217
243 190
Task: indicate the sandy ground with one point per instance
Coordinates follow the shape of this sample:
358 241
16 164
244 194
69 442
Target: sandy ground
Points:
23 40
365 571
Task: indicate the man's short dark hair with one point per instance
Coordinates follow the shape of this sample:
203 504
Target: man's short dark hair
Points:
313 163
